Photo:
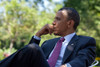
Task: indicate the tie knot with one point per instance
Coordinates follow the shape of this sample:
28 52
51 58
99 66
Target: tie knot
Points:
62 39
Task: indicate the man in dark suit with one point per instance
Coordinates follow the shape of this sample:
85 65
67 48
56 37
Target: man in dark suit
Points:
75 51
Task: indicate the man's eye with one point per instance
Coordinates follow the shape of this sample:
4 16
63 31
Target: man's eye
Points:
58 18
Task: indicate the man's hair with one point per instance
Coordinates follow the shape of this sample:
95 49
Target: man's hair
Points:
72 15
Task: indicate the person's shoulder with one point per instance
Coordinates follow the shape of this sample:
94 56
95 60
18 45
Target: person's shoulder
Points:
54 39
86 41
82 36
50 41
86 37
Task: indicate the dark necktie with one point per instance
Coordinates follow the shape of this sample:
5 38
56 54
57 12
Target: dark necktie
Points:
53 58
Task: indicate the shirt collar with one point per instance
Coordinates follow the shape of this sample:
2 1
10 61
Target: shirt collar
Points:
69 37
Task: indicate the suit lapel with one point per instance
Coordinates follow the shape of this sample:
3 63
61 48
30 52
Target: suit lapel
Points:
70 48
47 49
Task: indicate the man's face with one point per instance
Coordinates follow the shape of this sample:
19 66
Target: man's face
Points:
60 23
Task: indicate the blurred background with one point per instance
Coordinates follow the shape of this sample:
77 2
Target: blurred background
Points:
21 19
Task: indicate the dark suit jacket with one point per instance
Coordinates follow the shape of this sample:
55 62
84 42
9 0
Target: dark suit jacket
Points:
80 51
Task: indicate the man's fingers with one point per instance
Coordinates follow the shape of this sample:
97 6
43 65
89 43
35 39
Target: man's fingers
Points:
50 28
47 29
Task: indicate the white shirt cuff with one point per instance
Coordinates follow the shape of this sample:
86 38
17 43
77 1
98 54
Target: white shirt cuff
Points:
37 38
68 65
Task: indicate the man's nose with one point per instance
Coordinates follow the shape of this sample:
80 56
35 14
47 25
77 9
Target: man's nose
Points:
53 23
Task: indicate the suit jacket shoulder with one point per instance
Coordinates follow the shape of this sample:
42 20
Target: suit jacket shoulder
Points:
86 40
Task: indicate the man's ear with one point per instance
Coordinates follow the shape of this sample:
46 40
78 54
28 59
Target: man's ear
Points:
70 23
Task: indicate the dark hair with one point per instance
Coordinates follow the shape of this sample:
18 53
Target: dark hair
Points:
72 14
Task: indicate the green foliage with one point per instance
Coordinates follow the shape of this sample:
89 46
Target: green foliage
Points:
1 54
6 51
21 22
18 23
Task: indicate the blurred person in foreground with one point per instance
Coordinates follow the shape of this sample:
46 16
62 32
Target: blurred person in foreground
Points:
69 50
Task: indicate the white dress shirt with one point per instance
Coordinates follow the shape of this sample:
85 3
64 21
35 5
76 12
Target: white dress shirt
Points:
64 45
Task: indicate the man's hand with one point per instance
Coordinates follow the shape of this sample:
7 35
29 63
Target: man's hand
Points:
63 66
47 29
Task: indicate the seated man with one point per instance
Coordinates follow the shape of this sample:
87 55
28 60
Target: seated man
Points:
69 50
